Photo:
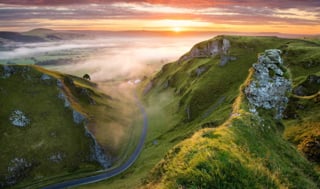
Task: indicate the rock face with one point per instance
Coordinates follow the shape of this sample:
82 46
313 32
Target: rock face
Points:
45 77
210 49
17 170
78 117
98 152
59 83
268 87
56 157
19 119
7 71
200 70
309 87
63 97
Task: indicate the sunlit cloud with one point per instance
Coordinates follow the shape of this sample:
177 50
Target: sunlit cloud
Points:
146 14
150 8
296 14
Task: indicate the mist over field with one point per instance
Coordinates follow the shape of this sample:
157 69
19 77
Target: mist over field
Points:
111 57
132 57
34 49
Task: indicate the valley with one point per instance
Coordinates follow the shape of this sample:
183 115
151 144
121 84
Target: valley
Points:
203 130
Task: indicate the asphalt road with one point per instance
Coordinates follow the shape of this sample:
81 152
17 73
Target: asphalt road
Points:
113 172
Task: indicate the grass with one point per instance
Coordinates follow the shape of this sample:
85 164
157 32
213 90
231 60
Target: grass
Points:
244 152
52 129
220 145
247 151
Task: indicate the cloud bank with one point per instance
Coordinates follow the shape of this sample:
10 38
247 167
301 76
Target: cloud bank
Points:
17 14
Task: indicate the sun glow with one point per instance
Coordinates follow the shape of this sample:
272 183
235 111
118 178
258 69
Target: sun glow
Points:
176 29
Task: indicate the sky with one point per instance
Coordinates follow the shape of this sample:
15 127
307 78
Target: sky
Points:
284 16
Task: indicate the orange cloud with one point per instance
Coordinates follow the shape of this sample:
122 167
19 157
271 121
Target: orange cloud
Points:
218 15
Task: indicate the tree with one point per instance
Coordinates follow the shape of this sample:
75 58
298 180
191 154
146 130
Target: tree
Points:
86 76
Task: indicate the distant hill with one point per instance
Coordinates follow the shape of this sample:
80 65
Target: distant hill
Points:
40 35
38 31
18 37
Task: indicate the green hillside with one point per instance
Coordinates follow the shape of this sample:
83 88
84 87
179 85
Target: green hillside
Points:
201 131
208 126
240 150
47 122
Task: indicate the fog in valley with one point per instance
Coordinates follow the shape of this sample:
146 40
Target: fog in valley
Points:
111 58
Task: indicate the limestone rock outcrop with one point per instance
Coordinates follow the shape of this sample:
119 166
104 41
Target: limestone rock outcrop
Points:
309 87
19 119
269 86
45 77
210 49
97 152
78 117
63 97
17 170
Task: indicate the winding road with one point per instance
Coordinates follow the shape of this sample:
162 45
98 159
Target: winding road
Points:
113 172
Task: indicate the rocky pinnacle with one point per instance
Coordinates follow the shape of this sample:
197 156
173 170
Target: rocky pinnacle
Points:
269 86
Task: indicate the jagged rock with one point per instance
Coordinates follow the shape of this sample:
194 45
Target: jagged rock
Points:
98 152
225 45
85 92
78 117
8 71
19 119
68 81
17 170
63 97
57 157
268 90
59 83
200 70
313 79
211 49
45 77
300 90
309 87
225 59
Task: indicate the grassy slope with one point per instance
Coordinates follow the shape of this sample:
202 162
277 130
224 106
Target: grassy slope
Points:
210 98
52 129
242 152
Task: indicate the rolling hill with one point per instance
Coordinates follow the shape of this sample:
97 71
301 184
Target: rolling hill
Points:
39 35
48 127
207 131
233 112
230 144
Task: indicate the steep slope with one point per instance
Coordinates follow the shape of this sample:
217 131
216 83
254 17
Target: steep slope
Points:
204 85
201 133
44 124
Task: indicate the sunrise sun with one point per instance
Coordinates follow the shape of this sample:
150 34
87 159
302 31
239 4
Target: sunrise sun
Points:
176 29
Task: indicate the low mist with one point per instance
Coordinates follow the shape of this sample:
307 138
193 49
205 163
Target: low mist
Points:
131 58
113 57
34 49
